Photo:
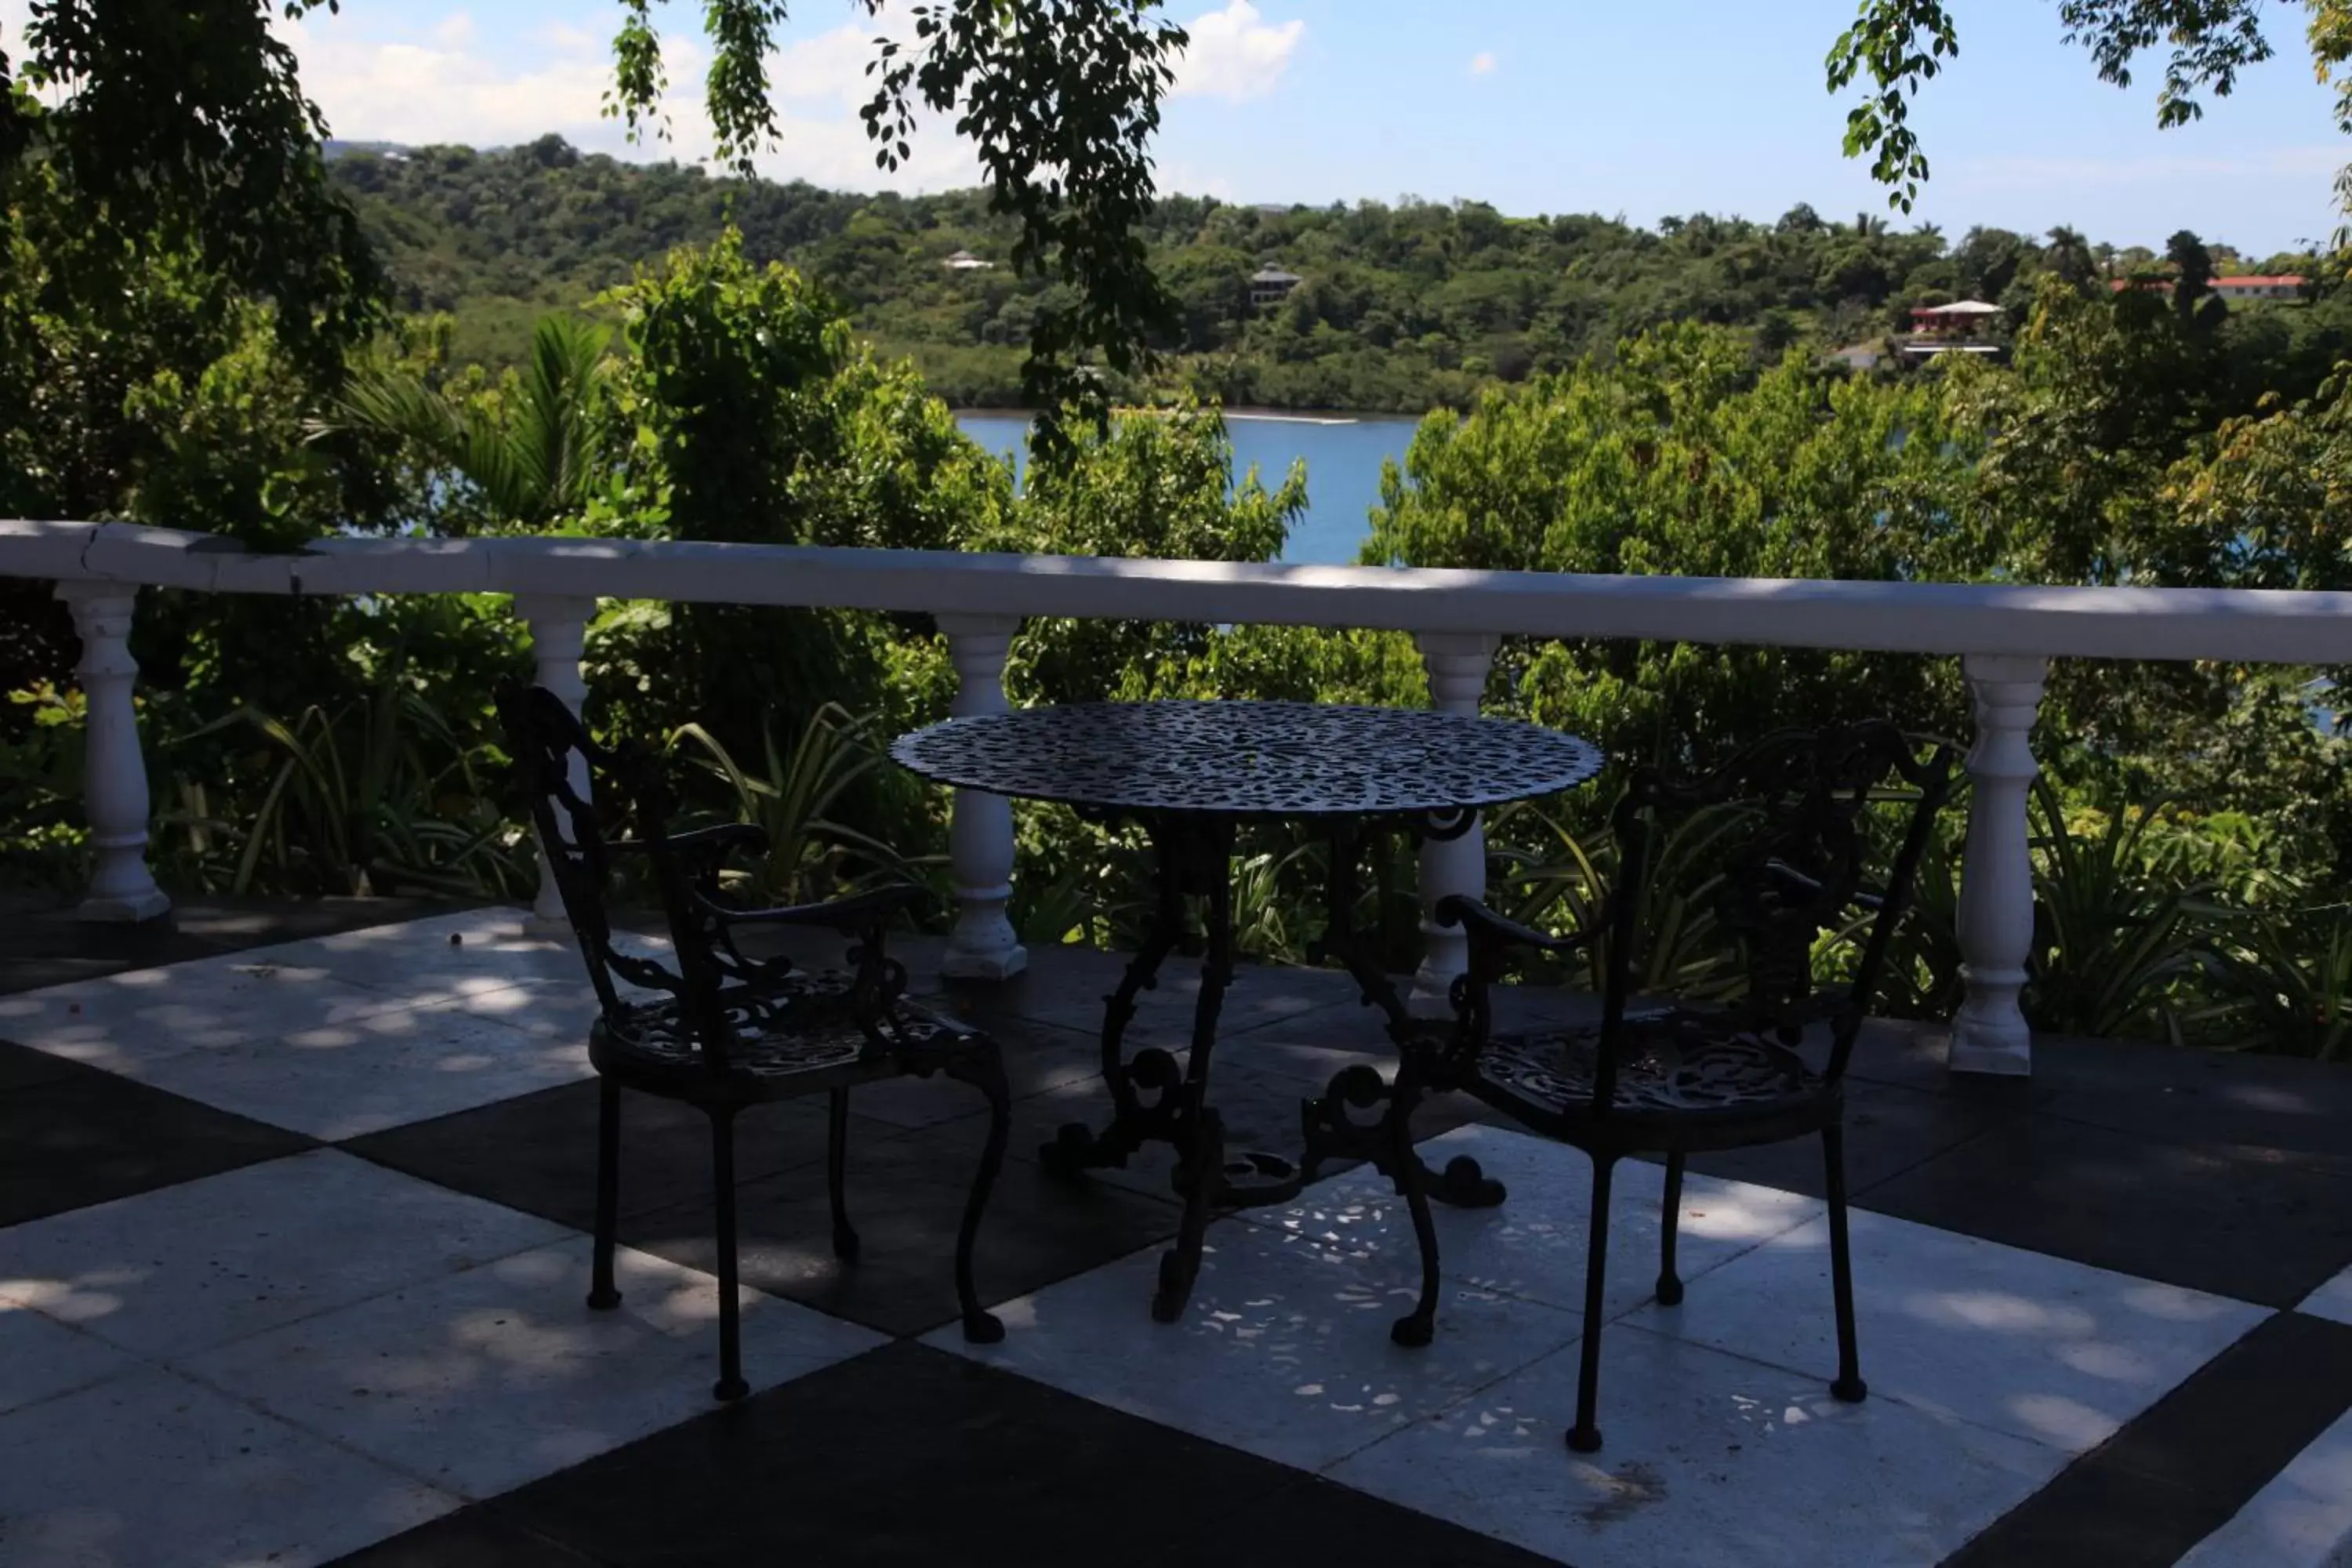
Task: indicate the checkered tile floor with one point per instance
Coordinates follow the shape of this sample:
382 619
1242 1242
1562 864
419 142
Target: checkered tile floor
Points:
292 1268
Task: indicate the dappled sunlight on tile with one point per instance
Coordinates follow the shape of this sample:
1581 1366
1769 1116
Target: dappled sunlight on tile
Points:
127 1023
384 1070
489 1378
1283 1350
1534 1245
2038 1346
1706 1458
212 1482
208 1262
83 1300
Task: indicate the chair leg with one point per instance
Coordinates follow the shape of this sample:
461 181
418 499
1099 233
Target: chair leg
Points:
1418 1327
836 1174
1849 1385
730 1384
1670 1284
981 1327
602 1294
1584 1438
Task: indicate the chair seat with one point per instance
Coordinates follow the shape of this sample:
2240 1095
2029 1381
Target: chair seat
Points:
1685 1078
798 1038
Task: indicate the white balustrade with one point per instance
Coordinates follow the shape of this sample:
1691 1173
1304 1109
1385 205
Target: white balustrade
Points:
984 944
1996 919
1457 663
115 771
559 636
2005 633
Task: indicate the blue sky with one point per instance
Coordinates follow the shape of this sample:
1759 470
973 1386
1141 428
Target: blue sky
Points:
1534 105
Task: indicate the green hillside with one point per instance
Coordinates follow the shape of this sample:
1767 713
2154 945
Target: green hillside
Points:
1401 307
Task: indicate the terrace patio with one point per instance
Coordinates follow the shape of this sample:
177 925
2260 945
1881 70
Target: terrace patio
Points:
294 1199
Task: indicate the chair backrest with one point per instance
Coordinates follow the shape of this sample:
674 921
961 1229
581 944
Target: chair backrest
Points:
1793 864
563 771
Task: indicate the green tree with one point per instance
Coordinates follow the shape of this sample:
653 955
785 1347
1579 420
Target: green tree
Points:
527 451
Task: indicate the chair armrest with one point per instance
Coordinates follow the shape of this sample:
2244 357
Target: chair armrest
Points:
1486 927
858 913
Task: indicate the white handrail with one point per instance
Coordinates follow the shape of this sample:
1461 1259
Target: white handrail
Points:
2236 625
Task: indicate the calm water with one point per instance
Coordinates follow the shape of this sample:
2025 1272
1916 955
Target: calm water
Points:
1343 469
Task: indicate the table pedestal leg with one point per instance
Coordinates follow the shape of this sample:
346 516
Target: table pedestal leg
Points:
1195 856
1331 1123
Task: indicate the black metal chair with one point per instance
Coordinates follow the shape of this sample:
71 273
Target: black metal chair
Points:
1679 1080
727 1031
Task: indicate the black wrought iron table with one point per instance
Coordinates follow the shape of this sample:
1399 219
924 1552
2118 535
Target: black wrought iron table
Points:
1191 774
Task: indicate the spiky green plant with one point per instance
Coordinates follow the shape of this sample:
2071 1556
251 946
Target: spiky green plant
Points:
812 854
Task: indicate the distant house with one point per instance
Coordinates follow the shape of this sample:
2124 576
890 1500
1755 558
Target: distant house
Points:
1857 356
1271 285
2280 286
965 261
2253 286
1961 319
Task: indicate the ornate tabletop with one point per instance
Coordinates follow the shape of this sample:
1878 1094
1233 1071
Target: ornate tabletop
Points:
1250 759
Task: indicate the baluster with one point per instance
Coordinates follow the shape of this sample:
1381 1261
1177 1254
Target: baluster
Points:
1996 917
559 635
1457 663
984 944
114 772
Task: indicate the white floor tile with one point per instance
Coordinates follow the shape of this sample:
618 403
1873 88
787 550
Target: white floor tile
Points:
183 1268
418 961
2026 1344
1284 1351
2303 1519
1533 1245
384 1070
40 1359
1707 1459
2332 1301
128 1023
486 1380
150 1470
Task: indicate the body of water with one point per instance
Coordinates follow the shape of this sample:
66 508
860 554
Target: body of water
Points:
1342 453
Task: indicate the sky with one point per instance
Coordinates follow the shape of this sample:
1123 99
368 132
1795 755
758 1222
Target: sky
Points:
1537 106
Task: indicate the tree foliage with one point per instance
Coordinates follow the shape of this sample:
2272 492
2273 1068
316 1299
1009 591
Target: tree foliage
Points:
1402 307
1900 44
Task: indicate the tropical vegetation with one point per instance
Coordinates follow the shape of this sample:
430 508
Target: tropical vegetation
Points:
206 324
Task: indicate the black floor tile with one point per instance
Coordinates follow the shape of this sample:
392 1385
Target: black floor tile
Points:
2188 1463
1888 1130
476 1537
910 1455
89 1137
1037 1058
907 1198
538 1153
33 945
2297 1110
21 1065
2269 1233
28 974
1067 986
1313 1520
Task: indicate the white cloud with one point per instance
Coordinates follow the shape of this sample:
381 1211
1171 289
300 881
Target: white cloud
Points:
1234 54
1482 63
436 84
